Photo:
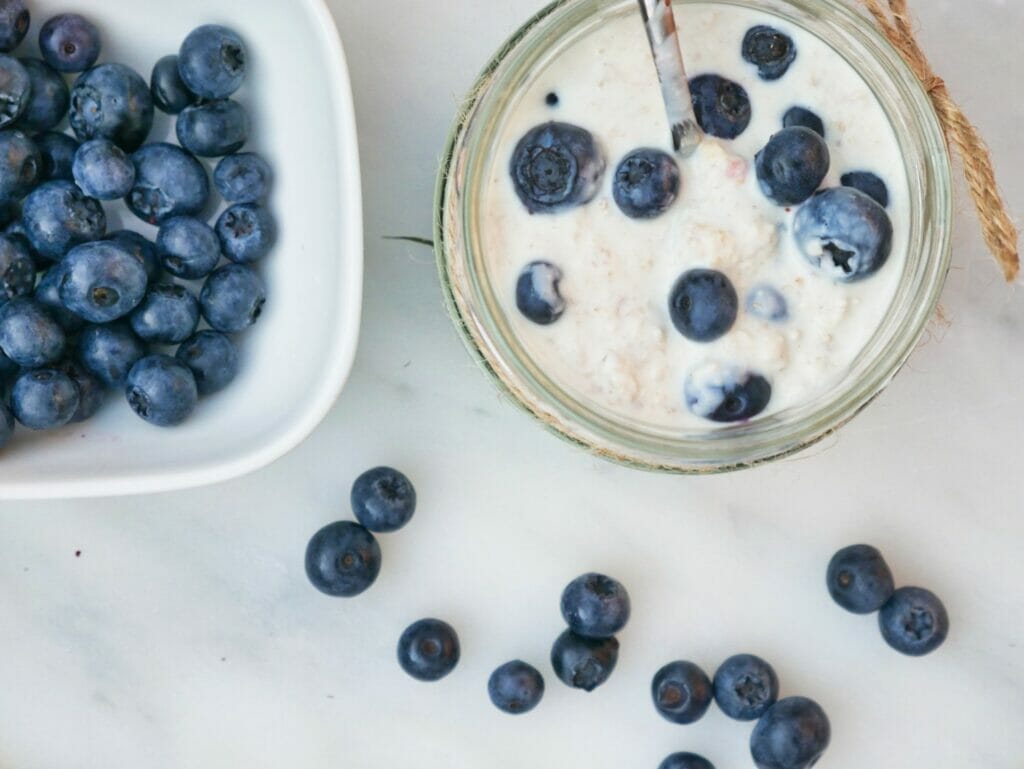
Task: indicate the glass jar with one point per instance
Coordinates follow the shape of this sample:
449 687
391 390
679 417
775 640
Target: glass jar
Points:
475 310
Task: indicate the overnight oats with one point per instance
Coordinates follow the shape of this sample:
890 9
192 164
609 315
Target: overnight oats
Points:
720 297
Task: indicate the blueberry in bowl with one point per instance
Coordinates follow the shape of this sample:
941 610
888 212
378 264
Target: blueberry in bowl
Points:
801 117
15 19
20 165
213 129
703 305
556 166
188 247
109 351
102 170
646 183
44 399
770 50
58 216
113 102
161 390
538 296
868 183
845 234
102 282
29 336
232 298
213 359
722 106
70 42
48 100
247 232
169 182
15 90
792 165
212 62
168 314
726 394
170 94
244 177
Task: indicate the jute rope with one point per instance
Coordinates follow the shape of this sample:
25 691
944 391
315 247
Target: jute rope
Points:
996 224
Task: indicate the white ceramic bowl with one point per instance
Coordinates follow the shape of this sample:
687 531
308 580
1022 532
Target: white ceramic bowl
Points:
295 361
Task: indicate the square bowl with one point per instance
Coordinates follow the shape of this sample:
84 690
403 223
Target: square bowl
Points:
296 359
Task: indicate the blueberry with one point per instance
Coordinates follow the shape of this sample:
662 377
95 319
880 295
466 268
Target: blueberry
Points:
859 579
681 692
383 499
914 621
725 393
47 293
102 282
49 97
212 129
139 247
213 359
70 43
102 170
703 305
771 51
243 178
767 303
170 94
793 734
844 233
721 105
552 99
20 165
342 559
800 117
646 183
584 663
16 231
515 687
7 367
6 425
869 184
428 650
792 165
537 294
212 62
17 270
161 390
247 232
44 399
232 298
15 90
188 248
556 166
745 687
108 352
168 182
595 606
112 102
168 314
58 216
14 24
28 335
91 393
686 761
57 151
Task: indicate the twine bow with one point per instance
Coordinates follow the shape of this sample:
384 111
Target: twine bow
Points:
997 227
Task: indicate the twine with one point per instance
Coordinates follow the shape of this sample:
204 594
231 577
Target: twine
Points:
996 225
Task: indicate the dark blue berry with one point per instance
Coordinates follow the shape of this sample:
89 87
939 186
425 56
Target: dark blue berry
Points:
745 687
17 270
844 233
139 247
232 298
112 102
29 336
91 393
102 170
595 606
800 117
584 663
770 50
552 99
246 232
109 352
170 94
537 294
859 579
383 499
556 166
15 90
793 734
726 394
792 165
869 184
243 178
646 183
213 359
212 62
342 559
914 621
212 129
14 23
102 282
169 182
49 99
686 761
516 687
70 43
721 105
20 165
161 390
44 399
188 248
767 303
58 216
168 314
681 692
703 305
57 151
428 650
47 293
6 424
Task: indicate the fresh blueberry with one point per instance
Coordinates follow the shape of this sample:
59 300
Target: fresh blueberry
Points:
726 394
682 692
793 734
516 687
721 105
844 233
800 117
44 399
212 62
102 282
16 231
247 232
428 650
57 151
686 761
745 687
14 23
112 102
15 90
7 367
213 359
28 335
17 270
168 314
859 579
49 99
108 352
102 170
139 247
703 305
58 216
767 303
552 99
161 390
595 606
383 499
170 94
70 43
47 293
792 165
212 129
556 166
869 184
537 294
646 183
168 182
914 621
20 165
232 298
188 248
584 663
342 559
771 51
243 178
91 393
6 424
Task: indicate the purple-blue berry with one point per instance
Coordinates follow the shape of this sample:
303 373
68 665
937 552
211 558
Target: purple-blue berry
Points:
516 687
102 170
168 314
70 43
49 97
161 390
58 216
383 499
44 399
170 94
342 559
188 247
169 182
213 359
112 102
243 178
109 351
595 606
102 282
232 298
29 336
429 650
247 232
212 129
212 62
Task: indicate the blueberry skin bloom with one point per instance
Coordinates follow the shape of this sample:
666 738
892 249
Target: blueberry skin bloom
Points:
188 248
869 184
139 247
844 234
102 282
49 97
745 687
516 687
57 151
537 293
584 663
20 165
6 425
792 165
247 232
771 51
213 359
429 650
767 303
169 182
170 94
243 178
58 216
91 393
803 118
726 394
28 335
342 559
595 606
914 621
383 499
721 105
112 102
102 170
703 305
232 298
213 128
859 579
212 62
646 183
161 390
47 293
14 23
686 761
793 734
168 314
17 270
44 399
70 43
15 90
556 166
109 351
681 692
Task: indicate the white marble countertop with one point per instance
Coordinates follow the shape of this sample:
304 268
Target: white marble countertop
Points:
179 630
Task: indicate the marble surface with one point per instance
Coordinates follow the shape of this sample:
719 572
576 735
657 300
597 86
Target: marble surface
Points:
179 631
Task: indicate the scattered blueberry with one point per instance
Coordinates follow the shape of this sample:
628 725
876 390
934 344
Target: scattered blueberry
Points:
170 94
6 424
703 305
161 390
232 298
537 294
57 151
102 281
188 248
49 97
213 359
771 51
722 106
792 165
584 663
767 303
70 43
212 129
682 692
91 393
44 399
28 335
342 559
212 62
383 499
428 650
516 687
859 579
168 182
20 165
726 394
17 270
869 184
139 247
243 178
14 24
793 734
47 293
556 166
801 117
109 352
646 183
168 314
595 606
844 233
247 232
58 216
552 99
686 761
745 687
112 102
15 90
103 171
914 621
